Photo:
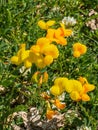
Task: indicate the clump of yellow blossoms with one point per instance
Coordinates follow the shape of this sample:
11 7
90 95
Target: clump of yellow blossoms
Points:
44 51
79 49
77 89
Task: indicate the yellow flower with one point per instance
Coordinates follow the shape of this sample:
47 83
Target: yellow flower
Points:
22 46
73 85
51 35
85 97
40 62
61 82
45 25
42 43
15 60
76 85
69 86
24 55
65 32
79 49
51 50
60 37
76 54
57 35
35 49
75 96
21 55
48 59
56 90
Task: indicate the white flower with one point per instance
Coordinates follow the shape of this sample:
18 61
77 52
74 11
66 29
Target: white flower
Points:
69 21
24 70
55 8
62 97
83 127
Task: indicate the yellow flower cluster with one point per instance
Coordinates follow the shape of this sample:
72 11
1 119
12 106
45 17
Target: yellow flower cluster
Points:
79 49
77 89
55 35
43 52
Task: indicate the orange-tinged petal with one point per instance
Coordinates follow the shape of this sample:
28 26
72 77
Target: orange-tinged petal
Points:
59 105
40 80
65 32
35 49
58 33
62 41
50 114
85 97
88 87
80 48
50 33
76 54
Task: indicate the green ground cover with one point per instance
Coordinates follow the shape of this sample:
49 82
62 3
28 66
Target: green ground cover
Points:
18 20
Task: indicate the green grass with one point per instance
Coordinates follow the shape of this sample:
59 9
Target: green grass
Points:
18 20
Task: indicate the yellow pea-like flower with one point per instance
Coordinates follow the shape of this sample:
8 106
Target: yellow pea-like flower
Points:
24 55
56 90
15 60
75 96
76 54
27 63
45 25
77 86
60 81
35 49
48 59
51 50
79 48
